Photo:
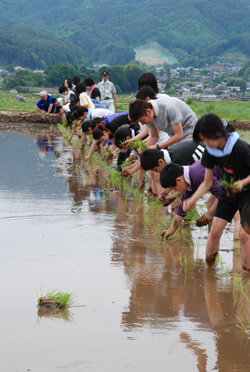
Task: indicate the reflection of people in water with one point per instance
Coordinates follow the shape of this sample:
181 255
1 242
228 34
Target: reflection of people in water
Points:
231 342
45 142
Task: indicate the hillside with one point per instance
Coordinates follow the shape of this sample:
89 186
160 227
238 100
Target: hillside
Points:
108 32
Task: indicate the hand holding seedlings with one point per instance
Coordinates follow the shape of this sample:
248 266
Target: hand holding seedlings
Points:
203 221
234 188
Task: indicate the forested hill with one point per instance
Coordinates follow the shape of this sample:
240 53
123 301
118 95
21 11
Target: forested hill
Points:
35 33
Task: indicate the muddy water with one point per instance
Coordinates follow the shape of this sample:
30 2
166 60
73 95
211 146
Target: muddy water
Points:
144 311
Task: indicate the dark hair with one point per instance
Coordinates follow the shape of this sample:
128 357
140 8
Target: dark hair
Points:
245 215
80 112
124 131
210 125
86 125
62 89
138 108
74 99
76 80
169 174
80 87
88 82
98 131
150 157
148 78
95 122
145 92
54 100
69 81
69 117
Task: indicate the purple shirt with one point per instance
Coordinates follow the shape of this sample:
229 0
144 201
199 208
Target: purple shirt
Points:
197 174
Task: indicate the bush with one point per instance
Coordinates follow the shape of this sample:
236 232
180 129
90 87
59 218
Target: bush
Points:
189 101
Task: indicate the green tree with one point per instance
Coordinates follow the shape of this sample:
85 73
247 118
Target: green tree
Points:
55 75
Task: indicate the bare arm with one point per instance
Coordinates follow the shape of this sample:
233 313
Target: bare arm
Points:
115 99
38 109
238 185
49 109
172 229
91 150
176 137
153 137
132 168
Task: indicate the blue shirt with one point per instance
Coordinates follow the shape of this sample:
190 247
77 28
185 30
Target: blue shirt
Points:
45 105
109 118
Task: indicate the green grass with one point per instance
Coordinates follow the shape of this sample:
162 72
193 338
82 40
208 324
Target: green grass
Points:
228 110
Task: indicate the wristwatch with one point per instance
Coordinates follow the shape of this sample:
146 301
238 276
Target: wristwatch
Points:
158 147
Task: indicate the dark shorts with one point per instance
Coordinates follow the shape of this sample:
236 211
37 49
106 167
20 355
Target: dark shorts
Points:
227 207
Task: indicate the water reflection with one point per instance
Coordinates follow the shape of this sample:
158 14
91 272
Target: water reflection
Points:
54 313
187 312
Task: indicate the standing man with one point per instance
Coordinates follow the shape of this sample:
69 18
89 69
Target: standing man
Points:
108 92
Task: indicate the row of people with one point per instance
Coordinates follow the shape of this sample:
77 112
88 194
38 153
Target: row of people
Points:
73 93
192 156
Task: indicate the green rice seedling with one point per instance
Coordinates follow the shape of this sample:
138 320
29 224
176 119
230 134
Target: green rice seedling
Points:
116 179
217 260
239 288
126 164
226 272
157 229
229 186
107 154
191 215
61 300
77 144
138 145
245 327
180 259
185 263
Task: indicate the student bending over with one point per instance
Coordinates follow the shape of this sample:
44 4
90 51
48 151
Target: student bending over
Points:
225 149
187 179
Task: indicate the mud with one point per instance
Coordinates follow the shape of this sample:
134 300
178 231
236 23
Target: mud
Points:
150 305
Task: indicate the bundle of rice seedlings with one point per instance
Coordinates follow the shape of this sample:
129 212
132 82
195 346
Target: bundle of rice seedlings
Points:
61 300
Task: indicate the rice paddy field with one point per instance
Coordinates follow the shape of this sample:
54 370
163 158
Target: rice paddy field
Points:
139 302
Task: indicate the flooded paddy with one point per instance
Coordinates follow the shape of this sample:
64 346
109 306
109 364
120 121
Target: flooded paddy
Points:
149 304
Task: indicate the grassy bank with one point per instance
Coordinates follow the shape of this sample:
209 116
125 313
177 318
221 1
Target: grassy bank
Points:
229 110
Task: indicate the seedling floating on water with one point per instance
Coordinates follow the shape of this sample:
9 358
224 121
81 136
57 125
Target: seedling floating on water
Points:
57 299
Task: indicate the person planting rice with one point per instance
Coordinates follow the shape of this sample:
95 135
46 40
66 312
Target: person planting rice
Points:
167 114
128 150
225 149
186 180
105 133
183 153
